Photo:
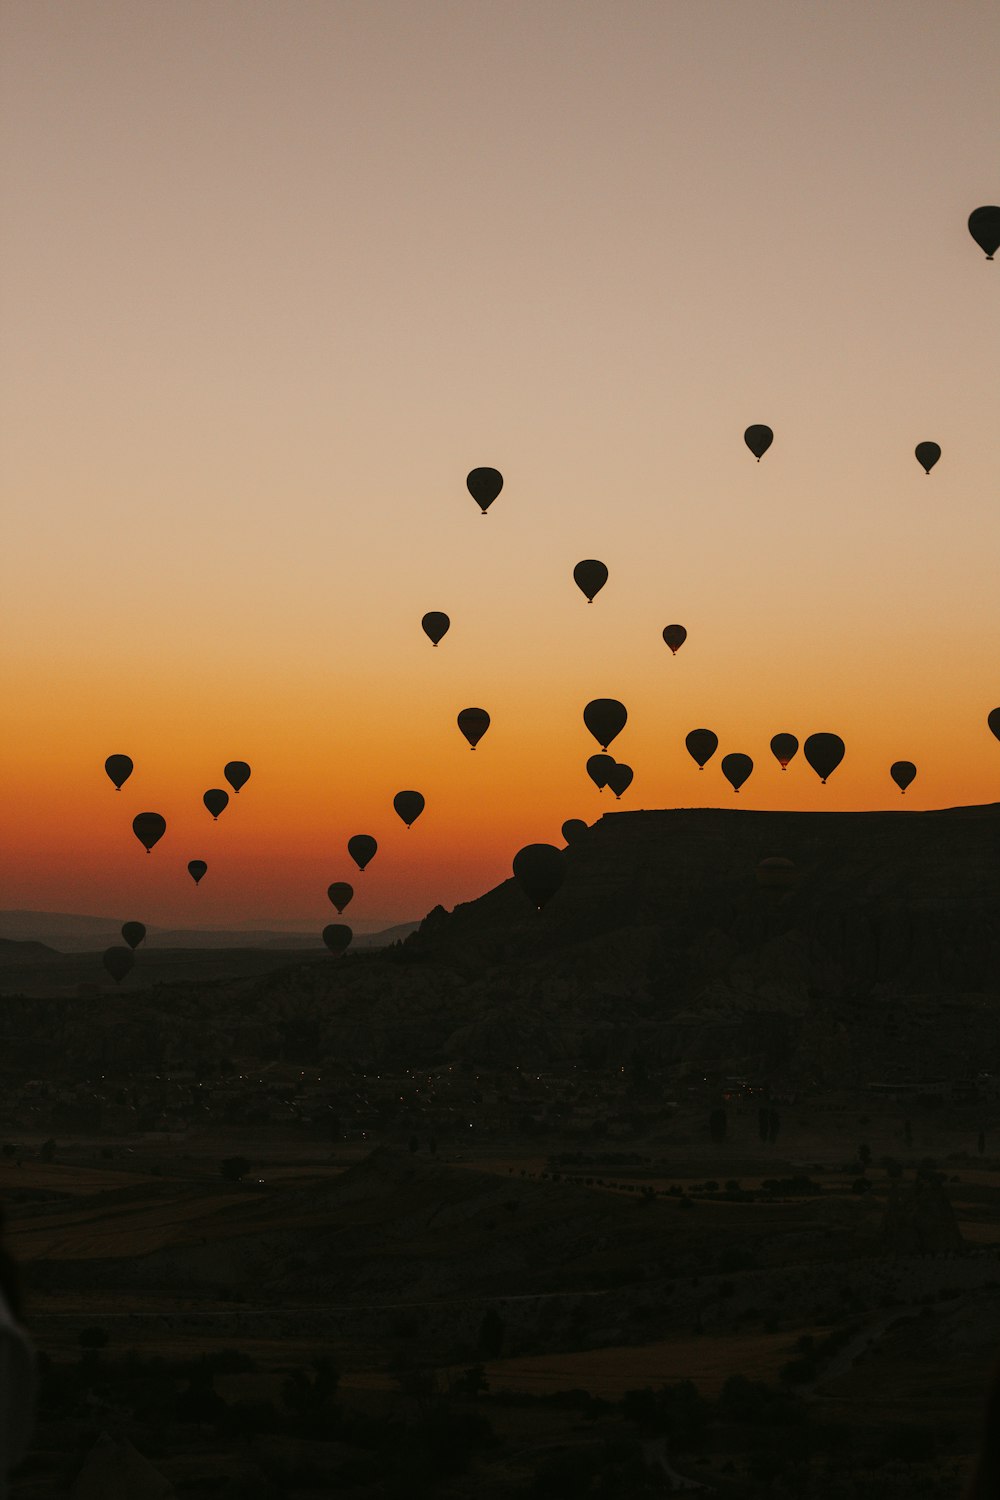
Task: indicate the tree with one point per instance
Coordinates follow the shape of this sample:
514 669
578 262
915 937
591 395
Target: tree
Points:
235 1168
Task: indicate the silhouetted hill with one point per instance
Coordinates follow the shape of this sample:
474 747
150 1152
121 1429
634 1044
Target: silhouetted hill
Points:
25 953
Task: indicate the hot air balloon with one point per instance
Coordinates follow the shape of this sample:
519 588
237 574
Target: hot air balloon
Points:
701 746
736 768
362 848
598 767
196 869
435 626
484 486
902 773
675 636
824 752
133 933
776 874
118 962
216 800
783 748
473 722
984 226
993 720
573 830
927 455
539 870
149 828
237 773
590 576
758 439
337 936
605 718
409 805
620 778
340 894
119 768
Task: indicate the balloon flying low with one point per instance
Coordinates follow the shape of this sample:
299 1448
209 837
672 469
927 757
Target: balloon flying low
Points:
701 746
758 439
927 455
539 870
340 894
984 226
196 869
736 768
237 773
776 873
993 720
337 937
435 626
149 828
473 722
133 933
824 752
573 830
362 848
118 962
605 718
675 636
216 800
409 806
902 773
783 748
598 767
119 768
484 486
620 778
590 576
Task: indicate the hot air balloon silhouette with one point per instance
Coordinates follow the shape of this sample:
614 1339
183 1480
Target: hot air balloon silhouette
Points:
484 486
902 773
340 894
984 226
620 778
119 768
473 722
590 576
133 933
993 720
701 746
758 439
435 626
573 830
149 828
118 962
216 800
736 768
237 773
824 752
409 806
675 636
539 870
196 869
927 455
598 767
362 848
783 748
337 937
605 718
776 873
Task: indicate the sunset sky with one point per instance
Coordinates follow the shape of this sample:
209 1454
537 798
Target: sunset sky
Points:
277 275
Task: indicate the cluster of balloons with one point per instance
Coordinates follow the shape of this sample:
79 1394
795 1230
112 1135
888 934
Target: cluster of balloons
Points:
362 848
119 961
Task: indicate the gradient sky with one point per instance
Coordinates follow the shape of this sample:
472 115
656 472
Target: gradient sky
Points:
277 275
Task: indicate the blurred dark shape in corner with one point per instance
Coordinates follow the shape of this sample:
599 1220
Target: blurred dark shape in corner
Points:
985 1481
18 1373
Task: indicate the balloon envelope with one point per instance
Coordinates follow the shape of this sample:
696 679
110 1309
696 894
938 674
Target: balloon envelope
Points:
435 625
736 768
133 933
484 486
776 874
824 752
539 870
409 805
758 439
340 894
118 962
149 828
573 830
362 849
590 576
216 800
984 226
337 936
196 869
902 773
605 718
701 746
675 636
237 773
119 768
620 778
783 748
927 455
473 722
993 720
598 767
